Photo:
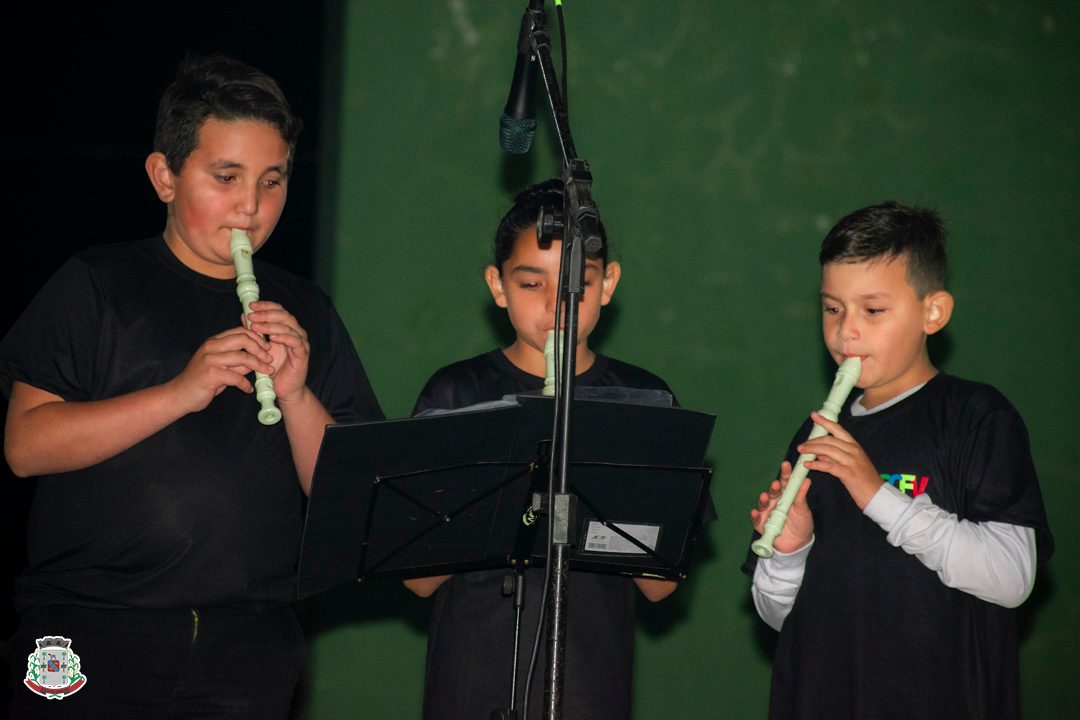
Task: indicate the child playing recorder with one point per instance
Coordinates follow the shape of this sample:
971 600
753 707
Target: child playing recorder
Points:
470 641
166 521
917 531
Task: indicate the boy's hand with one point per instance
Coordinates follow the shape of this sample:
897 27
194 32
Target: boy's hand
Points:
289 348
222 361
799 527
840 456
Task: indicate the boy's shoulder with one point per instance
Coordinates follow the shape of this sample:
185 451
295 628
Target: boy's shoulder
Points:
292 283
952 406
121 258
99 267
969 396
104 256
486 362
611 371
481 378
471 370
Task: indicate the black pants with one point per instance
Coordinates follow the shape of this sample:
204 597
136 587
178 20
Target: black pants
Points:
165 664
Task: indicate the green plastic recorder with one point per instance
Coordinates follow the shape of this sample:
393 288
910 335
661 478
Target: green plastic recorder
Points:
846 377
248 292
552 348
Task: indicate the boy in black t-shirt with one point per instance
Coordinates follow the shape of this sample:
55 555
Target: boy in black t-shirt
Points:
918 529
471 638
166 520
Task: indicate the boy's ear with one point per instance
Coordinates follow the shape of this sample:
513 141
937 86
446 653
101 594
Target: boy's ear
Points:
495 285
161 177
938 308
612 273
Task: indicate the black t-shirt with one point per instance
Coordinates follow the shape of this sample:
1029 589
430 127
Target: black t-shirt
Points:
471 637
206 511
874 633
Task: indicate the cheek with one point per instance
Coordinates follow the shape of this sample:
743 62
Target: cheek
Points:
830 330
897 334
271 204
523 306
196 210
589 311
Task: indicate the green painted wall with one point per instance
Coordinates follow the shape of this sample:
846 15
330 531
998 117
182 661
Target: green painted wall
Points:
725 139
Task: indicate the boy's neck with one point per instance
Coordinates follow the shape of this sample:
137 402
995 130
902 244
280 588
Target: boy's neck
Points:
193 262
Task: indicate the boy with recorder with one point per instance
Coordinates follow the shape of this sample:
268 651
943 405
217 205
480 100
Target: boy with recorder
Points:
918 530
166 520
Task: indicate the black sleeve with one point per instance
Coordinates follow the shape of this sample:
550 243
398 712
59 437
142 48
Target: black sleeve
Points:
438 392
54 343
462 384
1003 486
343 385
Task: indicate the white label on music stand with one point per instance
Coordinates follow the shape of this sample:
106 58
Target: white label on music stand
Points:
600 539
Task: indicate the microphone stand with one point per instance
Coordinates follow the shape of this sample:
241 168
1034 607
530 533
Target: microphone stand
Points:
580 236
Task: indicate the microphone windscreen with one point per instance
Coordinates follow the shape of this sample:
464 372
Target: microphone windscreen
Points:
516 134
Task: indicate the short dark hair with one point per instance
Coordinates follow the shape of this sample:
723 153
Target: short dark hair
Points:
523 214
224 88
889 231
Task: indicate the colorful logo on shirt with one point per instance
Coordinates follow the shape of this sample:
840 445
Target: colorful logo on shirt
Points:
53 670
912 485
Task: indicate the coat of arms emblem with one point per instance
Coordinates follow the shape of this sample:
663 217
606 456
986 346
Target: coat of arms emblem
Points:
53 670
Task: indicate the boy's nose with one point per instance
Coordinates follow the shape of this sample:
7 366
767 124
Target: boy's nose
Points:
848 328
248 201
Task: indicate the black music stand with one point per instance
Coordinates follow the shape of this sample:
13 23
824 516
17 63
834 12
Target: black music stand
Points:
452 492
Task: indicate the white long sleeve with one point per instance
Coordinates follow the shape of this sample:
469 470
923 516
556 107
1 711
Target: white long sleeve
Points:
994 561
776 583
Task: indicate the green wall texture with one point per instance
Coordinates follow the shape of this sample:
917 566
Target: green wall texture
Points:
725 138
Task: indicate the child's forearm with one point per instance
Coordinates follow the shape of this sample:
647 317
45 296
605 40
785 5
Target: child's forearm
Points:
426 586
776 584
994 561
47 435
655 590
305 423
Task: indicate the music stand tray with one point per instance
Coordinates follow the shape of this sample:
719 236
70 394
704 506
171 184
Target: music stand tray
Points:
453 492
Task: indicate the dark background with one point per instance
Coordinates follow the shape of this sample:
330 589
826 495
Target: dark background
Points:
81 86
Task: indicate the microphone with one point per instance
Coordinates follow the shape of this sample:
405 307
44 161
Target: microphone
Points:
518 121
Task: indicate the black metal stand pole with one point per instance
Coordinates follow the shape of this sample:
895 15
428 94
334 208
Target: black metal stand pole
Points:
580 236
